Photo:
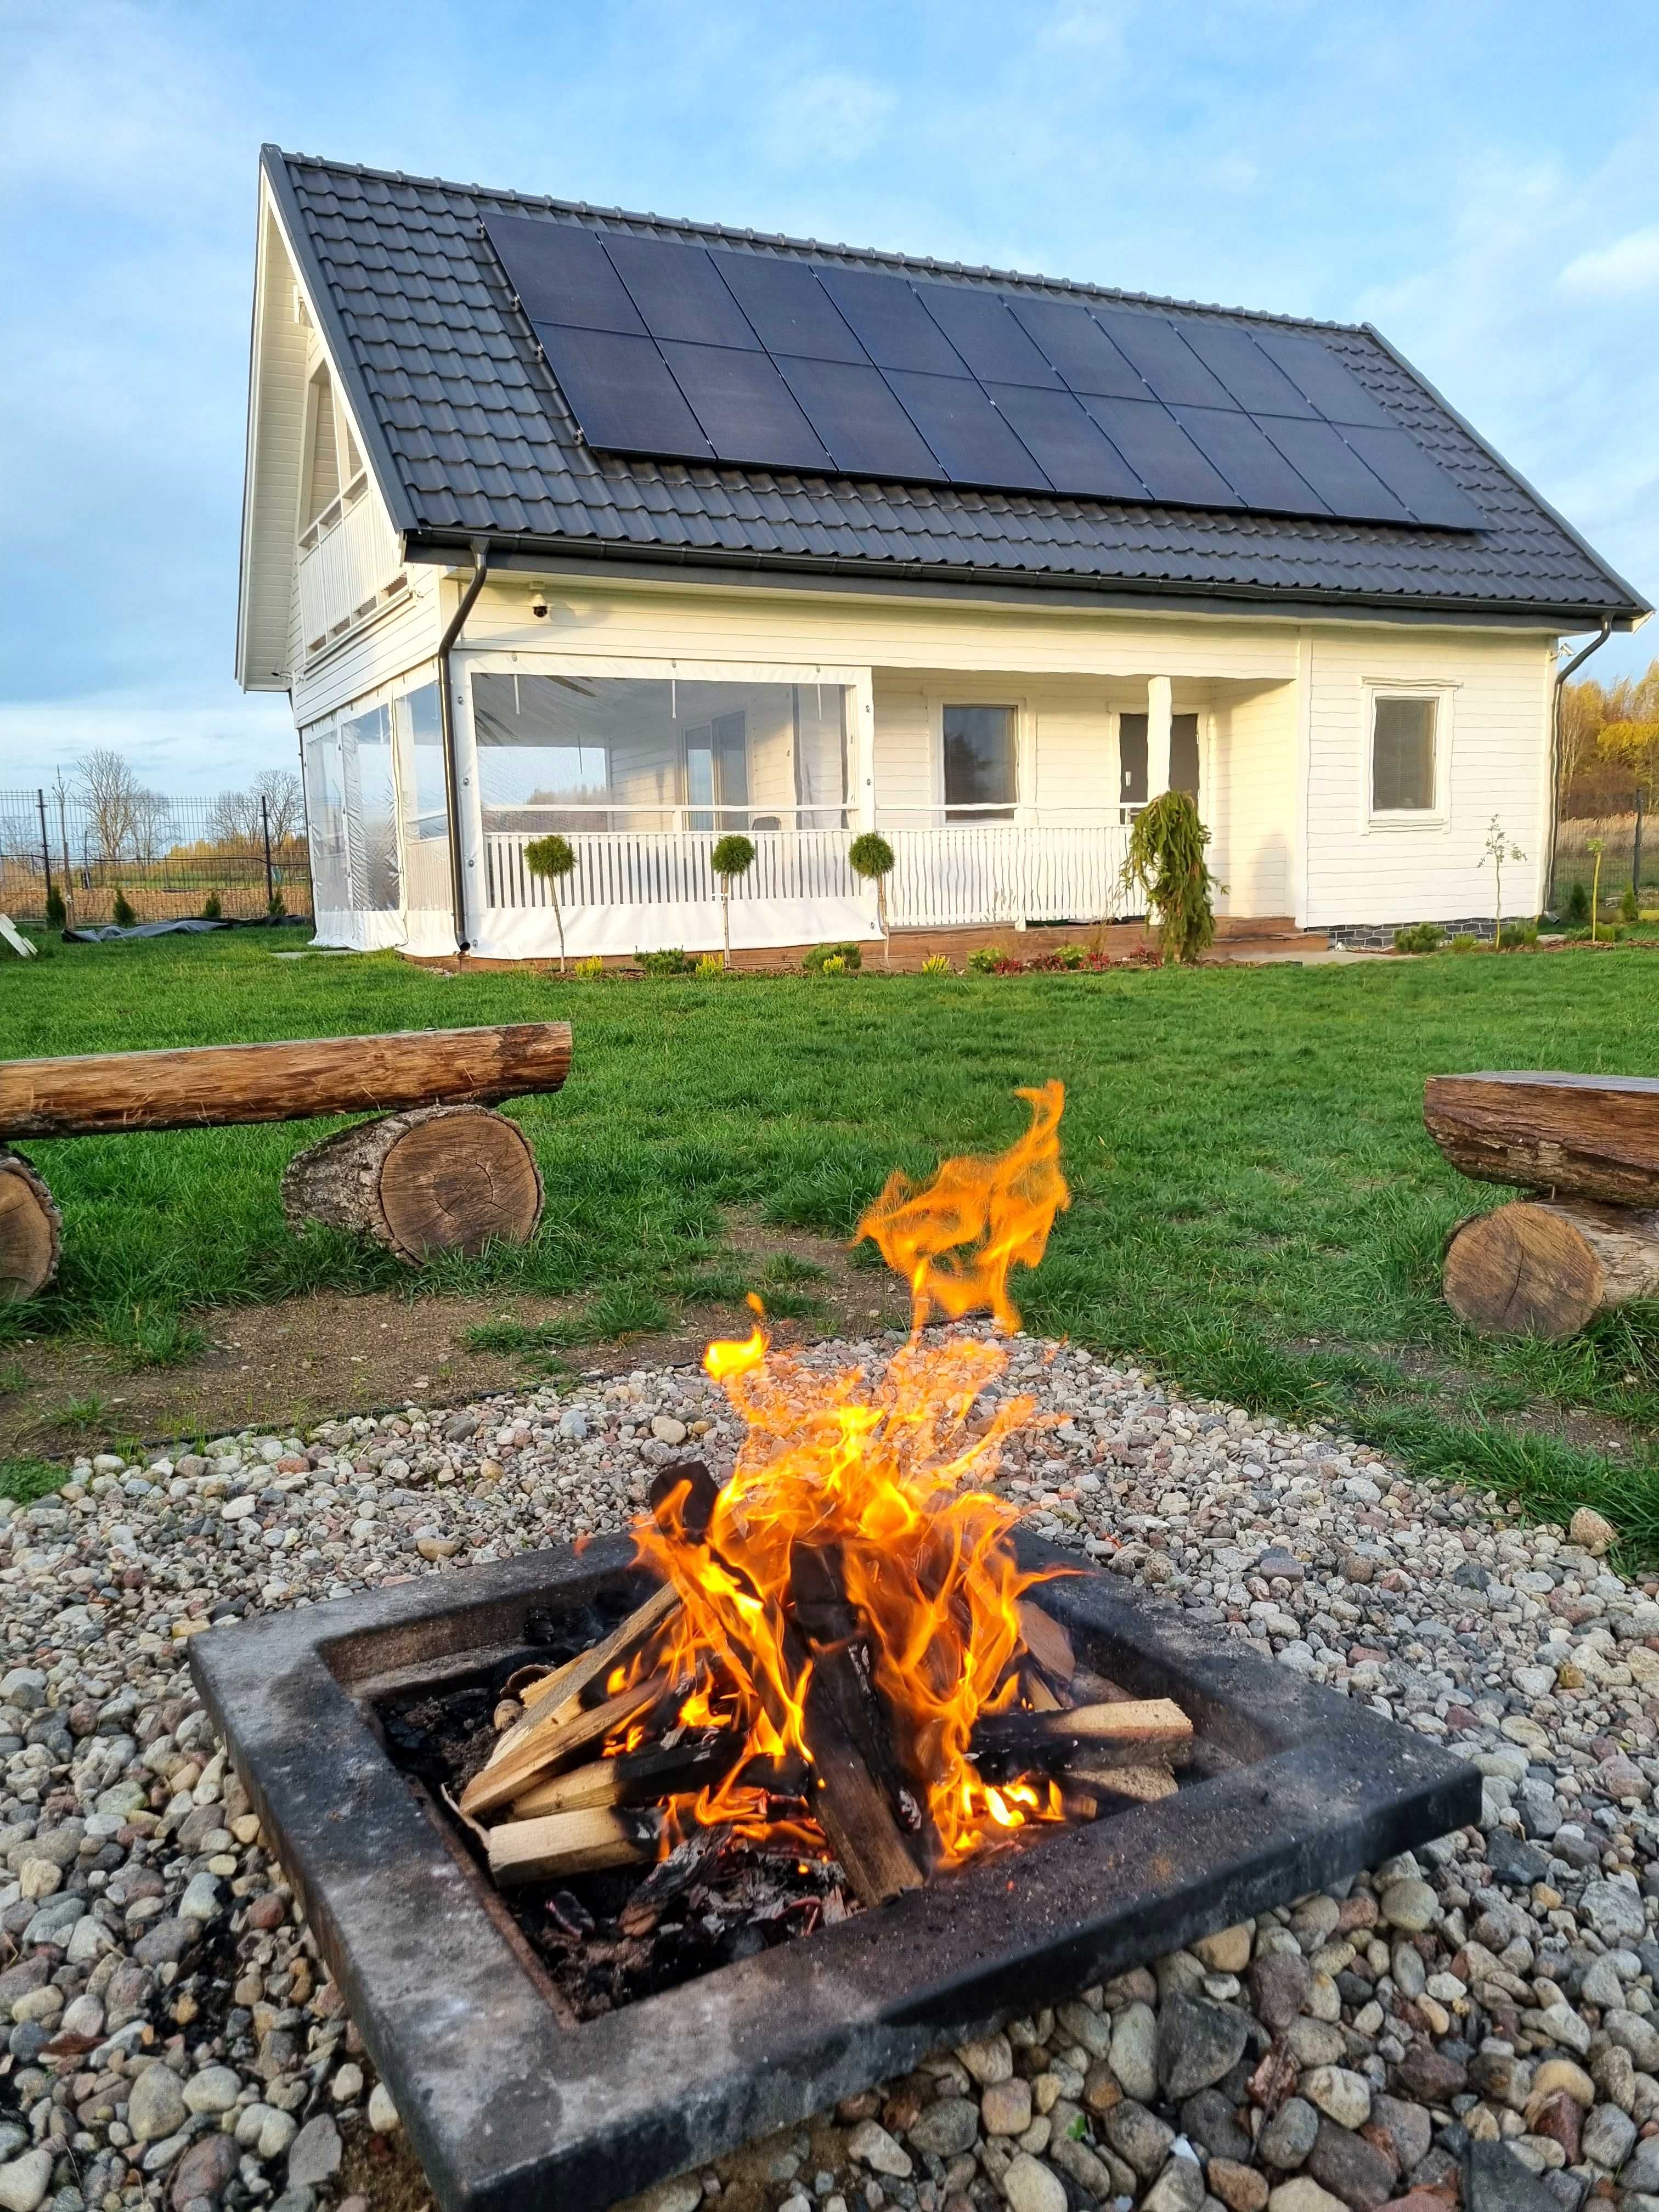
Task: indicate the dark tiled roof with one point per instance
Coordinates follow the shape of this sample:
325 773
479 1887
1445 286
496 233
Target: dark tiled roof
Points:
469 437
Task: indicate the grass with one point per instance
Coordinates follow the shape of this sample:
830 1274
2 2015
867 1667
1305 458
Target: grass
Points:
1257 1210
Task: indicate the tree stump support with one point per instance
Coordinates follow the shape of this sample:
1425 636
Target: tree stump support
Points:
31 1230
440 1179
1546 1268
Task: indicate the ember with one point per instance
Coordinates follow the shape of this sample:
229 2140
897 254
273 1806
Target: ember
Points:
843 1664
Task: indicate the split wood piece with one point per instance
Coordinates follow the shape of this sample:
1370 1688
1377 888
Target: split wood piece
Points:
208 1086
1110 1736
500 1783
1538 1269
1574 1136
1039 1698
31 1230
566 1844
441 1179
847 1801
566 1684
1145 1784
637 1778
1047 1641
1091 1689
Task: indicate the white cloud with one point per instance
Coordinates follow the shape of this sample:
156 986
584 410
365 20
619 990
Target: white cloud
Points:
1629 265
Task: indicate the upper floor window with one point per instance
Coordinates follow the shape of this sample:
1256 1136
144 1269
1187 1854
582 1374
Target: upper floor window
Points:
981 770
322 486
1403 765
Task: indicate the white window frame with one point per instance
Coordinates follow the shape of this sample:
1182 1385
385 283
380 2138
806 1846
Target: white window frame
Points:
1407 820
972 694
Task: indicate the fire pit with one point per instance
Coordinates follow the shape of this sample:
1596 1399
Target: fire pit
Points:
624 1855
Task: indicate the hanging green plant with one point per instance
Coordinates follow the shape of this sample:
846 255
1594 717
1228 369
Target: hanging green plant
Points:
552 859
1166 862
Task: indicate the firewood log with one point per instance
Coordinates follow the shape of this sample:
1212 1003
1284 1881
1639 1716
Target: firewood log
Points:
441 1179
566 1844
1545 1270
208 1086
566 1684
1572 1136
31 1230
636 1777
1047 1641
848 1803
539 1752
1145 1785
1110 1735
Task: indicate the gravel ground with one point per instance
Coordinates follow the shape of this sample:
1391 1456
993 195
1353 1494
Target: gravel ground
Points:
173 2040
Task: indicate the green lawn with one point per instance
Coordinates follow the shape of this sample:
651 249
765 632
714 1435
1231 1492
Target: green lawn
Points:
1256 1208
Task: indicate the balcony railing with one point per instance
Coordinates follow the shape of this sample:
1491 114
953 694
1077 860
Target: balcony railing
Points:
349 563
961 875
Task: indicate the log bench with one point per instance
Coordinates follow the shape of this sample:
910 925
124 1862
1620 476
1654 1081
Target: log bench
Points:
436 1171
1587 1240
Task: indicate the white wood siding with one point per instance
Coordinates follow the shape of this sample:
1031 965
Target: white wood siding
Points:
1252 804
276 428
403 634
1494 719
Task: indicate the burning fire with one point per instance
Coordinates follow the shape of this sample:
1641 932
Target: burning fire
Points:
855 1521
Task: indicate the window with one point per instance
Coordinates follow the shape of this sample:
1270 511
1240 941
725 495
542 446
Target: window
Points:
1183 754
417 720
1403 756
371 810
1132 760
717 774
980 776
323 464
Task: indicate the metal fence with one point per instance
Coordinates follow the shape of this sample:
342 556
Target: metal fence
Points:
239 855
1629 854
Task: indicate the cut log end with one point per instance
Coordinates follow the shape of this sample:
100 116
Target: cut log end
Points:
31 1230
1536 1269
443 1179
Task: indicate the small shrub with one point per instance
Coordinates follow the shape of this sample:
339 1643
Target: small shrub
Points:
276 908
1576 911
1514 933
985 960
1421 937
590 969
1466 941
212 908
673 960
1166 863
937 965
1629 907
1071 956
552 859
835 965
121 912
819 957
57 914
710 966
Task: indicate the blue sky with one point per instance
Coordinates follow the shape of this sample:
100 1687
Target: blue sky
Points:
1479 180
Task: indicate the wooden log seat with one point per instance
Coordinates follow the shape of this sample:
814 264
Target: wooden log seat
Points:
435 1172
1546 1268
1572 1136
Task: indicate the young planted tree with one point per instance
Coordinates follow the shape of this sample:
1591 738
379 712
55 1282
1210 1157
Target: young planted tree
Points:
1498 849
1596 847
871 856
552 859
1166 862
733 856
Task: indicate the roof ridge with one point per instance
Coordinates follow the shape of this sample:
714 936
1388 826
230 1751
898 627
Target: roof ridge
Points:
881 256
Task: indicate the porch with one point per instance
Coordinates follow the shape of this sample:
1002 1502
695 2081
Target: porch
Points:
1007 800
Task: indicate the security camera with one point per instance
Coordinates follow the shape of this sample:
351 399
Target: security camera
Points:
538 605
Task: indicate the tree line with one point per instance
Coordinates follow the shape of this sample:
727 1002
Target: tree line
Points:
1609 743
127 821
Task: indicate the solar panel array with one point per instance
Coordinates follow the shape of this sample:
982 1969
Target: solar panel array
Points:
665 347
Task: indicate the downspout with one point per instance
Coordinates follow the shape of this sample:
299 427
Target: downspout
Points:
1575 664
446 724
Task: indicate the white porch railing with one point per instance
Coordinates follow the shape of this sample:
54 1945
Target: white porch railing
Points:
963 876
348 559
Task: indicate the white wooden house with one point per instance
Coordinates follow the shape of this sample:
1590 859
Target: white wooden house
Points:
562 519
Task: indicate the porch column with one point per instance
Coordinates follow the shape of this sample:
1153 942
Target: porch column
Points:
1159 714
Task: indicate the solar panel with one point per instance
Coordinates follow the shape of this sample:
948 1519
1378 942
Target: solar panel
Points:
986 335
1258 383
1173 371
1316 372
1422 483
621 392
562 275
1252 465
1079 350
956 416
677 289
745 407
891 324
1160 453
1336 472
791 312
659 345
853 411
1069 449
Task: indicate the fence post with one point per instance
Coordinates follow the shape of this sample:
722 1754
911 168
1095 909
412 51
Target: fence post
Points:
1636 854
264 824
69 873
45 847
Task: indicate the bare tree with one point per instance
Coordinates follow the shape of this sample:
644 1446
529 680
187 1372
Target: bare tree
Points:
152 825
235 818
284 800
111 792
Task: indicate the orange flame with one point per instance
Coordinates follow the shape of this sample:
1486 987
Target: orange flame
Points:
876 1476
